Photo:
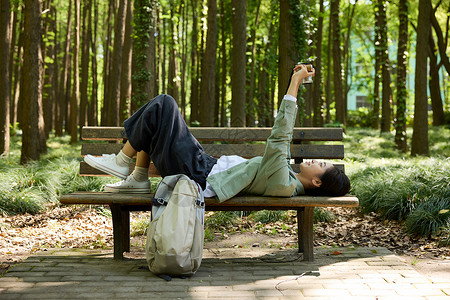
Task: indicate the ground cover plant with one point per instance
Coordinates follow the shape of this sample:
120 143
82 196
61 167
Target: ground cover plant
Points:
412 190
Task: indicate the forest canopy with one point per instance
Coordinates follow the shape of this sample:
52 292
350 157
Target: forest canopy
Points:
66 64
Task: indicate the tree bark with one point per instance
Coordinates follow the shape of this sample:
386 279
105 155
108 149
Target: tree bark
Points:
386 76
402 67
93 103
238 62
250 120
116 71
223 93
18 60
419 145
434 85
143 60
337 71
75 99
5 88
85 64
378 67
287 52
208 83
194 62
107 65
125 82
64 76
329 71
31 89
317 91
172 83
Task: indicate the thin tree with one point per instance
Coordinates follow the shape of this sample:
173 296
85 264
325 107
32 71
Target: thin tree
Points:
125 82
434 84
107 63
402 65
63 82
328 89
75 98
194 62
238 62
116 71
93 103
378 67
385 124
419 145
5 88
85 62
337 70
317 91
208 84
17 58
223 89
250 121
143 81
31 88
172 80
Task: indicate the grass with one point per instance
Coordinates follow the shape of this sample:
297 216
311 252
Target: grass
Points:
415 190
38 185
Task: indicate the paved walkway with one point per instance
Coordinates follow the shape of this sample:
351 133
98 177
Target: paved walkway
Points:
336 273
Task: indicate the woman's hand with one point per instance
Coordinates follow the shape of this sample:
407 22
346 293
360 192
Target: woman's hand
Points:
300 72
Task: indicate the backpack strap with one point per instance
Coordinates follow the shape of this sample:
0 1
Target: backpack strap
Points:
159 202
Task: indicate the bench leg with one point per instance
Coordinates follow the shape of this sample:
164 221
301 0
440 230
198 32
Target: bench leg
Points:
121 230
305 217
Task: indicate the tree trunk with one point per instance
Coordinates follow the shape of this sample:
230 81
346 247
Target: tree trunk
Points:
419 145
85 64
317 91
434 85
238 62
329 71
93 104
31 89
402 67
250 120
74 100
143 64
386 76
172 83
5 88
223 93
107 65
347 59
337 71
18 61
378 66
194 62
208 84
125 82
116 72
64 76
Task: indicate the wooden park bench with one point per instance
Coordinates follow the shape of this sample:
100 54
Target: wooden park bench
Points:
246 142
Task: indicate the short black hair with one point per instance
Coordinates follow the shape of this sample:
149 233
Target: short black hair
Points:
334 183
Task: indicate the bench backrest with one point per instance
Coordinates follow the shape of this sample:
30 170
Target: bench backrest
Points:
217 141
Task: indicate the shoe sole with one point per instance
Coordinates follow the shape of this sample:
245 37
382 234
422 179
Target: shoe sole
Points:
129 190
103 168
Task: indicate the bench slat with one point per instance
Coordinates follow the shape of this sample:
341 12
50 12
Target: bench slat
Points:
244 150
87 170
239 202
223 133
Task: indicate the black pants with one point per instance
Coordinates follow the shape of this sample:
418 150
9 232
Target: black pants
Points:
159 129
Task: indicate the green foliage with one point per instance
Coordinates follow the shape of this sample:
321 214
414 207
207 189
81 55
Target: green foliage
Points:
39 184
221 219
322 215
430 216
270 216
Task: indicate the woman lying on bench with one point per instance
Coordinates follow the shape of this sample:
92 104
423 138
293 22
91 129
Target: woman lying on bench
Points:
157 131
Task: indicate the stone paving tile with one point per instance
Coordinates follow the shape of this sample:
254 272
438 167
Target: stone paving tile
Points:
366 273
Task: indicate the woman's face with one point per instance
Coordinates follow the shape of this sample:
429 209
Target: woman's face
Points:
313 168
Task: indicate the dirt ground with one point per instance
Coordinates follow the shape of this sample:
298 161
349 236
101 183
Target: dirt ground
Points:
75 227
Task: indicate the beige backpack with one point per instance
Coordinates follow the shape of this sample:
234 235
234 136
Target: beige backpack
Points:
175 236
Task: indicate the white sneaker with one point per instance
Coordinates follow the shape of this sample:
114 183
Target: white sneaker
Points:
107 163
129 185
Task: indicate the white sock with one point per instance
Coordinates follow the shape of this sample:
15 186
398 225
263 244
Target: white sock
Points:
122 159
140 174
